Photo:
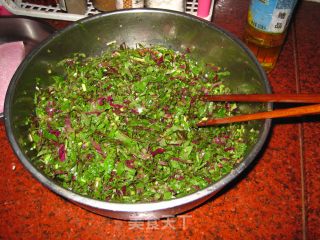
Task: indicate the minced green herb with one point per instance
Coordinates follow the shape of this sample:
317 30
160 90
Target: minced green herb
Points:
121 127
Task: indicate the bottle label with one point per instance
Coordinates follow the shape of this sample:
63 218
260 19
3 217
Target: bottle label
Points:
271 16
120 4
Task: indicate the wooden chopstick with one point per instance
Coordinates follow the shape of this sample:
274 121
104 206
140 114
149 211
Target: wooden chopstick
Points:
290 112
288 98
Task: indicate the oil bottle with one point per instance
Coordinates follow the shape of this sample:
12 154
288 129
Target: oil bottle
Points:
266 29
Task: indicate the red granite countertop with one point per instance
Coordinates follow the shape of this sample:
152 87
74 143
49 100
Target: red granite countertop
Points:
278 198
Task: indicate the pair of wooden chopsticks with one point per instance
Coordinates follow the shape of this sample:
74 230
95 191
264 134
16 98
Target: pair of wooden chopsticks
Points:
279 113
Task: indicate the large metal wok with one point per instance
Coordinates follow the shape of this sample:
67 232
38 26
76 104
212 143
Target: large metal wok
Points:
148 26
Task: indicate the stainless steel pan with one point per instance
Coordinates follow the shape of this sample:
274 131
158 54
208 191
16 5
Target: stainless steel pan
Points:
148 26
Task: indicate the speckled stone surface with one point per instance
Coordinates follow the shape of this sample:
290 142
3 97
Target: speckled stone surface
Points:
308 71
277 198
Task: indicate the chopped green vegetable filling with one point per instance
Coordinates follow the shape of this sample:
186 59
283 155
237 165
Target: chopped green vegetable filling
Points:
121 127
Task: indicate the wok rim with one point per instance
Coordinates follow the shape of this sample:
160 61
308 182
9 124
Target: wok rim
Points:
133 207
